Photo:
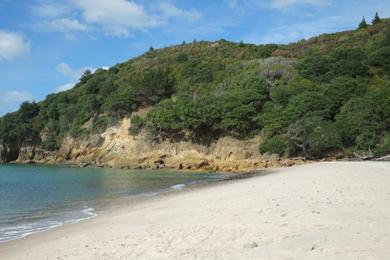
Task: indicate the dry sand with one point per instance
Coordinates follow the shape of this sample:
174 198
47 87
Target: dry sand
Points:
338 210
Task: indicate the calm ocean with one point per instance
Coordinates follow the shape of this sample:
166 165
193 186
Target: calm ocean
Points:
37 198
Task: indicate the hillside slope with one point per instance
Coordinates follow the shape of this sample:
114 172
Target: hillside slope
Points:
328 96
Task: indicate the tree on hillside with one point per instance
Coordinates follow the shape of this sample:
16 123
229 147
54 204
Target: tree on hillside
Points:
314 137
363 24
376 19
28 110
386 37
86 76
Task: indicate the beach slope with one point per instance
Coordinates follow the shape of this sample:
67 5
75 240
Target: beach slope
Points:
336 210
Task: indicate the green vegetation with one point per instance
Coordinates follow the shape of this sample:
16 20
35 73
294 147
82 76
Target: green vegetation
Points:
275 145
376 19
137 123
383 147
363 24
313 98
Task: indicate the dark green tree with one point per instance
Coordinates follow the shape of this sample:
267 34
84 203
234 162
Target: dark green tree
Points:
363 24
348 61
376 19
358 117
380 58
274 145
314 66
314 136
383 147
86 76
152 86
341 89
120 103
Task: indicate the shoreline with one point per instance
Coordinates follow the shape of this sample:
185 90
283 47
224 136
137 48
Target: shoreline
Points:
108 204
132 201
242 173
331 210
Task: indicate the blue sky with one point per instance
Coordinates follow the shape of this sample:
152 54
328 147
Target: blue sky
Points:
45 45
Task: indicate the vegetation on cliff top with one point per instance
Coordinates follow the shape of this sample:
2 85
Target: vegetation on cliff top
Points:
315 97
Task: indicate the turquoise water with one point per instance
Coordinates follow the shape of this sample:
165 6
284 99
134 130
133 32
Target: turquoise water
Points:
37 198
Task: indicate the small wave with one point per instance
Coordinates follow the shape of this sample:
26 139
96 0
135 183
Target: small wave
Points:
25 229
89 213
178 186
150 194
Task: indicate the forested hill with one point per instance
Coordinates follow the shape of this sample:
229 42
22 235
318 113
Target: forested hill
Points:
315 98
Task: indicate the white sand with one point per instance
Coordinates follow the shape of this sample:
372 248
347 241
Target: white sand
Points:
320 211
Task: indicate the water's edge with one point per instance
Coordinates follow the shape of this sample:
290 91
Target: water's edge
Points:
88 212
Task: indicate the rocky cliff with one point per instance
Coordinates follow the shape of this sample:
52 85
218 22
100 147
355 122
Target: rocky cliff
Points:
117 149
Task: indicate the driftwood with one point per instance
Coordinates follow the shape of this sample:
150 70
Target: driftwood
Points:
364 156
383 159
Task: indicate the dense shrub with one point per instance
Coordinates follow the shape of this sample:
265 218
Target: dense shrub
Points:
358 117
314 136
308 103
383 147
273 118
152 86
137 123
274 145
197 71
120 103
314 66
233 112
341 89
380 58
348 62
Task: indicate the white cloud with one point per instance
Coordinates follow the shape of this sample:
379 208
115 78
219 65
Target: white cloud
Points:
63 25
283 4
58 18
10 100
113 17
298 31
13 96
72 75
50 10
117 17
12 46
169 10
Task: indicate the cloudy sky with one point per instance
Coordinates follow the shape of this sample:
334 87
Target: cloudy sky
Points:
46 44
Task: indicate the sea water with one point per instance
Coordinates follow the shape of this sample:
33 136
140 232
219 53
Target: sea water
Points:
38 198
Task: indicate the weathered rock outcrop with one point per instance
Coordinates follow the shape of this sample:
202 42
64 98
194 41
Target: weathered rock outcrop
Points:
8 153
116 148
34 154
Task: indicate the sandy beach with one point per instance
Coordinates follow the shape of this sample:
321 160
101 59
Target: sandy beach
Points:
330 210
